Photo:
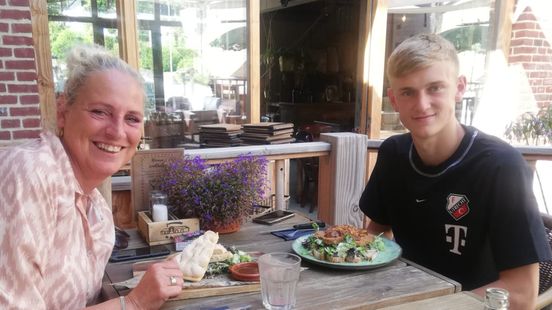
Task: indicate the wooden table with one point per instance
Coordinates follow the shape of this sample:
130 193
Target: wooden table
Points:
319 288
457 301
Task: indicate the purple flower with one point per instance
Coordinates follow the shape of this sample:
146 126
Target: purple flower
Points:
219 192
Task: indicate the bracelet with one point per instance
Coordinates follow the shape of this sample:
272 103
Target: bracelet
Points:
122 300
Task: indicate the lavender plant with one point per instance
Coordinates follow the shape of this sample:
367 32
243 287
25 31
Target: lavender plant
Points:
219 193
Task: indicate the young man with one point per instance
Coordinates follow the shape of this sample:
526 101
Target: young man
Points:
458 201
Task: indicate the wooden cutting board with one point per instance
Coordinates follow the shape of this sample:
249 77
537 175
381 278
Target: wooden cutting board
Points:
197 292
205 288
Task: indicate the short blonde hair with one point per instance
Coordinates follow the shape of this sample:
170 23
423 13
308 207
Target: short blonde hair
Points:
83 60
419 52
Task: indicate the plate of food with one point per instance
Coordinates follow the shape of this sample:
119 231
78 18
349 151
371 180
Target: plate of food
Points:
346 247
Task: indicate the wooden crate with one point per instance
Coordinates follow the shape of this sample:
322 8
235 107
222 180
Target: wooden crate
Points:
161 232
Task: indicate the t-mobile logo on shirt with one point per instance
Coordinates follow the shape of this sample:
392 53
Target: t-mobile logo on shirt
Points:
457 236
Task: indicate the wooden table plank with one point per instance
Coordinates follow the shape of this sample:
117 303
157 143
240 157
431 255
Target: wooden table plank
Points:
319 287
458 301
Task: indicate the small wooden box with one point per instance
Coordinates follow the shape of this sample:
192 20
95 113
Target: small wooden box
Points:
161 232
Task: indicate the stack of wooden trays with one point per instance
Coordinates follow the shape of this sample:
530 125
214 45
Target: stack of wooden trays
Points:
267 133
220 135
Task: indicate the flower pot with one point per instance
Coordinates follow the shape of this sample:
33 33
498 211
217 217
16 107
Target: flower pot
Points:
224 228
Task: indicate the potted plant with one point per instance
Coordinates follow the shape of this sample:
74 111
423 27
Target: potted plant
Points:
532 128
220 194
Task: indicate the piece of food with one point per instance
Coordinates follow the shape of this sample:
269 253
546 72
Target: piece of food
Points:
195 257
220 253
344 243
336 234
235 256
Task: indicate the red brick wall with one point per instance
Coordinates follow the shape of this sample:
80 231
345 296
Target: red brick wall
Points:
19 101
530 48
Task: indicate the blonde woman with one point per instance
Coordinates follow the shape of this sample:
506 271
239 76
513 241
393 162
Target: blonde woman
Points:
56 230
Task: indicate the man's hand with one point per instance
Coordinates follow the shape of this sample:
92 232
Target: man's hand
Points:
522 283
376 229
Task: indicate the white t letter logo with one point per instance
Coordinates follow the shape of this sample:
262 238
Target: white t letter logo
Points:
456 239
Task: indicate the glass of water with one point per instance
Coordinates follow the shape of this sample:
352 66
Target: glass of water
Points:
279 276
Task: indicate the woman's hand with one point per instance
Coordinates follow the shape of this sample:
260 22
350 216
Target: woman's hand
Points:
156 287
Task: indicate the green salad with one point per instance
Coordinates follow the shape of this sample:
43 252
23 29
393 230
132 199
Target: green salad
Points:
238 256
354 246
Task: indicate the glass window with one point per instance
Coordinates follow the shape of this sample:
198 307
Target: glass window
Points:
105 9
63 35
193 56
74 22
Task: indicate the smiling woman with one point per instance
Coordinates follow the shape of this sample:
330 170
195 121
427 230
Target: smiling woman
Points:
102 127
53 179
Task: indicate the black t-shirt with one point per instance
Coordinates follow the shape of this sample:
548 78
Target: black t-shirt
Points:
468 218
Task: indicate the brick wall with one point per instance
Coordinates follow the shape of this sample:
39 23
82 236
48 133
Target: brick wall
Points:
530 48
19 101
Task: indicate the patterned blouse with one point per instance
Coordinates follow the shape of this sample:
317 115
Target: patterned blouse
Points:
55 241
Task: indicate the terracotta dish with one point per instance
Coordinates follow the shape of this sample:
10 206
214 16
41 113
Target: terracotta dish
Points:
245 271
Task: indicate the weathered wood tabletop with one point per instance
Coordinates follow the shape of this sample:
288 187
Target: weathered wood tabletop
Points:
319 287
457 301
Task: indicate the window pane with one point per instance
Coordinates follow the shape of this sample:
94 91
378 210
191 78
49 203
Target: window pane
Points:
111 40
144 9
193 56
107 8
69 8
63 36
76 22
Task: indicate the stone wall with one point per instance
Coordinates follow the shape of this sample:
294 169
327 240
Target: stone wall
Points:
530 48
19 101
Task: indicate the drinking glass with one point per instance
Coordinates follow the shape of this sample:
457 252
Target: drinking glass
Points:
279 276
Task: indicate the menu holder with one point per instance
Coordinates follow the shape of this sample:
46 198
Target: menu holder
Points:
146 166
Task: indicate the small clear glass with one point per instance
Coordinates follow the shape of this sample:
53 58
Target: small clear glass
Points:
496 299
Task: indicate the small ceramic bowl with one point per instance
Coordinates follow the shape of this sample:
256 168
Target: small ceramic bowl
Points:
245 271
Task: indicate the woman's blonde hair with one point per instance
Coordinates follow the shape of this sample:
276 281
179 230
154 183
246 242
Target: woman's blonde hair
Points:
84 60
419 52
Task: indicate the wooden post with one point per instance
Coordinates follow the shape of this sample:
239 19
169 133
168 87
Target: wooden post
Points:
341 178
280 187
370 69
253 105
41 39
128 32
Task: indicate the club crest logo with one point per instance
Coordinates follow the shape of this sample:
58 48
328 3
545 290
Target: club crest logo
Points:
457 206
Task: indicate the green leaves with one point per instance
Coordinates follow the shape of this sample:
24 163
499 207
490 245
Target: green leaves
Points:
531 128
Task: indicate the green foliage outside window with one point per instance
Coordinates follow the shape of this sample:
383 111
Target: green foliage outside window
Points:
56 7
63 38
531 128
